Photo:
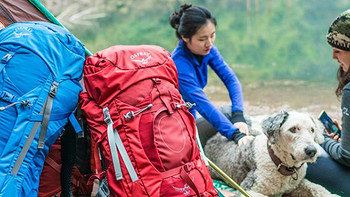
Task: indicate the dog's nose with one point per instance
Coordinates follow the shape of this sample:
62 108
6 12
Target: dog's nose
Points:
310 151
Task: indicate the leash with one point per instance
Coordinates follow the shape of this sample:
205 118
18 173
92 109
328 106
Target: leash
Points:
218 170
228 179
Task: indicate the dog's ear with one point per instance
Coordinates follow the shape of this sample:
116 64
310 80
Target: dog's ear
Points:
318 131
272 125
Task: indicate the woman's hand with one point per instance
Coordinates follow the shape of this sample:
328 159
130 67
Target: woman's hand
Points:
243 127
245 140
333 135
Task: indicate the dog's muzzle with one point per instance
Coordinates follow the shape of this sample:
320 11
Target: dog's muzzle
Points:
310 151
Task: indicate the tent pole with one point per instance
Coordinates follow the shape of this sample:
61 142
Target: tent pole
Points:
207 162
227 178
51 18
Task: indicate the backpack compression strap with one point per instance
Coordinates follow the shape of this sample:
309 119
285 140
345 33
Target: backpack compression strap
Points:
113 140
46 111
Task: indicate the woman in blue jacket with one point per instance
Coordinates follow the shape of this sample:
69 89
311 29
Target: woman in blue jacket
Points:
195 28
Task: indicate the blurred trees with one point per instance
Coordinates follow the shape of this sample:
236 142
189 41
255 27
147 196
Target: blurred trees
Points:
261 39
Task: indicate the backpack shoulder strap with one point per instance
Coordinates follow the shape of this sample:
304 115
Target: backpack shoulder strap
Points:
53 164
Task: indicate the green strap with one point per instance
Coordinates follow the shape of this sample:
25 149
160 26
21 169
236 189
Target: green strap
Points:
51 18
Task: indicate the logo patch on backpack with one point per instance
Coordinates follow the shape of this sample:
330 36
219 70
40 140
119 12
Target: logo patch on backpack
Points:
23 31
141 57
186 189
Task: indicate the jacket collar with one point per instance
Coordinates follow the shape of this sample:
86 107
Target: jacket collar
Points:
189 54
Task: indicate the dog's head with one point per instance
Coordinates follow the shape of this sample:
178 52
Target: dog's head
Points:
297 134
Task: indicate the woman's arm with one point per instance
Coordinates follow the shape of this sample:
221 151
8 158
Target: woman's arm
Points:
340 151
192 92
231 81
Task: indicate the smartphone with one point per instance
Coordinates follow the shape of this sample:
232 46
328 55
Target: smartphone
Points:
328 123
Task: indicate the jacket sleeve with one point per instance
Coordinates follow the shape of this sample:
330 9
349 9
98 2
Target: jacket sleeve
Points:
192 92
233 85
341 151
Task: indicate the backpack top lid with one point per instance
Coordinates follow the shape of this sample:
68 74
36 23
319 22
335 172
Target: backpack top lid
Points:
109 72
63 53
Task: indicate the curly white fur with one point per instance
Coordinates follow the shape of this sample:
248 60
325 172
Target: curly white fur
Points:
293 137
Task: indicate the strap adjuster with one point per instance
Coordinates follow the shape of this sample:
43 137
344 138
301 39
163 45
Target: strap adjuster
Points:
106 116
7 57
53 89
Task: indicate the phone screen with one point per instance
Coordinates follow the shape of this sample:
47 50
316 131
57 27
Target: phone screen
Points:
328 123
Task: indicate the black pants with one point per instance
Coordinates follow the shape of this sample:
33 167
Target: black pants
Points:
205 130
330 174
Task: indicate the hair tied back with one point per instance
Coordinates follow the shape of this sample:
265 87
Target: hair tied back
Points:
185 6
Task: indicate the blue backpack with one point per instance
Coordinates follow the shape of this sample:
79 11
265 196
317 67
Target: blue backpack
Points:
41 65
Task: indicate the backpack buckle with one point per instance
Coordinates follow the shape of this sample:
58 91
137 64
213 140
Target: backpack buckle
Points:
6 96
188 167
156 80
106 116
53 89
7 57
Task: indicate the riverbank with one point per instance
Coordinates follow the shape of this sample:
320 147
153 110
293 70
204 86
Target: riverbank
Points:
267 97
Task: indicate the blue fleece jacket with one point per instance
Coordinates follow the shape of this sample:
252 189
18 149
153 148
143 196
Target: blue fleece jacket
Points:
193 78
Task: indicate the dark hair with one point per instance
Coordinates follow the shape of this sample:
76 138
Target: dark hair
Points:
343 78
189 19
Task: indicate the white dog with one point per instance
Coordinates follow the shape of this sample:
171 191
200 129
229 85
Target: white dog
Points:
274 163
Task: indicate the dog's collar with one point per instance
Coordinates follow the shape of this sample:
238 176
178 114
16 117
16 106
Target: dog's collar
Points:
281 167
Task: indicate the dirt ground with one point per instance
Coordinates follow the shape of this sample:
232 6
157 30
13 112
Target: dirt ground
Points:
263 98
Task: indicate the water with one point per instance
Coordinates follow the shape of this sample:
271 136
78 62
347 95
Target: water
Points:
262 98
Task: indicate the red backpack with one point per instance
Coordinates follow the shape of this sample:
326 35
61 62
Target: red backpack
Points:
71 179
141 124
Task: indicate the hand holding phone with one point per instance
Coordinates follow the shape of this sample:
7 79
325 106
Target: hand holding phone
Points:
329 124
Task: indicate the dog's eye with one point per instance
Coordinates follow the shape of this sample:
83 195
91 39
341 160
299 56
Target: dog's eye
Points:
312 130
294 129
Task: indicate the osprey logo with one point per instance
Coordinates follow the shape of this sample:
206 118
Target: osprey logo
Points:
141 57
186 189
23 31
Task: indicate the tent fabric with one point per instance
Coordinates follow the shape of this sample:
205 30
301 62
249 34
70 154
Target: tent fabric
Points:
12 11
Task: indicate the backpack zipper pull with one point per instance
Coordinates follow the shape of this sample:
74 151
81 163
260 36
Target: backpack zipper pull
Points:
24 103
132 114
188 105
